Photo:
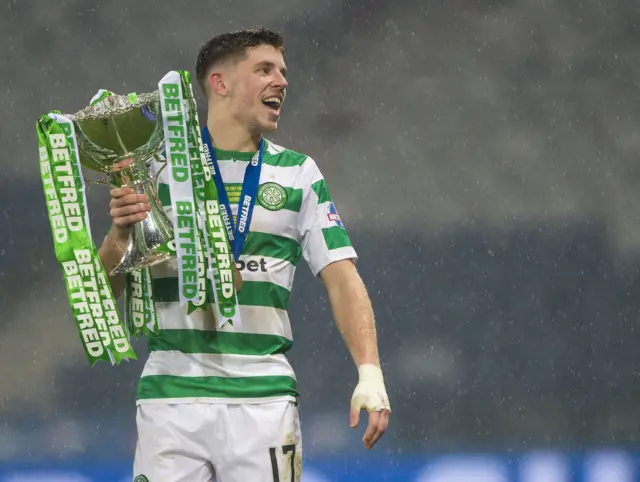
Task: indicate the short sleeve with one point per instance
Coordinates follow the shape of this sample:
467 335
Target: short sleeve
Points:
324 236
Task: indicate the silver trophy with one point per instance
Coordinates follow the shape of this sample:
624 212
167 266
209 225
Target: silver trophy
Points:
120 136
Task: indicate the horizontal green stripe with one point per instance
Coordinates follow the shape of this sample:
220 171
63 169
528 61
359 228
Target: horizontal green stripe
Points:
336 237
294 200
272 246
217 342
253 293
321 190
287 158
294 197
168 386
261 293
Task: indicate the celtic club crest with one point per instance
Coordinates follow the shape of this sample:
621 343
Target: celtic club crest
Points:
272 196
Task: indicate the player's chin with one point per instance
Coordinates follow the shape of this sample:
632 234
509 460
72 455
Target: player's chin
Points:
269 125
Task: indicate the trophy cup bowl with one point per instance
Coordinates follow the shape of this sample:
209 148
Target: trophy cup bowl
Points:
120 136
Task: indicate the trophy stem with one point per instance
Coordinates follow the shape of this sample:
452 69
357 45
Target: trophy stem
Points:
146 236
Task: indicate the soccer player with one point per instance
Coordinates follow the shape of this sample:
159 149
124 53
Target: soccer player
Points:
222 402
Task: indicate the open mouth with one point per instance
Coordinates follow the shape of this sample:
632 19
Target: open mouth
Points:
273 103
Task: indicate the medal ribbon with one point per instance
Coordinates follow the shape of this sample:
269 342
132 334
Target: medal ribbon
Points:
236 232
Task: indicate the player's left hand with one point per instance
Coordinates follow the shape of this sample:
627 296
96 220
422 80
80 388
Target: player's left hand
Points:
370 395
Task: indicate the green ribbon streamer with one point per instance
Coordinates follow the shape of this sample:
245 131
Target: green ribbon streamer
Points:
225 296
101 331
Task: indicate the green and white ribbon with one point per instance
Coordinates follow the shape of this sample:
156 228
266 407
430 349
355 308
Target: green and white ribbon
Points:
185 221
218 251
94 310
197 175
140 308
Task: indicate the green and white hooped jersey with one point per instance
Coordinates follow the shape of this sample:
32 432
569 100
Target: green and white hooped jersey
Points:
190 359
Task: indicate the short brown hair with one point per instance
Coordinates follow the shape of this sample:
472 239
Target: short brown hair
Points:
232 45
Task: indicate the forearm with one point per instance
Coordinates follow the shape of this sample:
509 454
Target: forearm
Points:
110 253
353 313
354 318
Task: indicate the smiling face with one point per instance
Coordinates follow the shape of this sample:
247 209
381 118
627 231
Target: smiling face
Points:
252 89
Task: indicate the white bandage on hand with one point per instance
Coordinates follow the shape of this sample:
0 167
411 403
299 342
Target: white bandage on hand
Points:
370 393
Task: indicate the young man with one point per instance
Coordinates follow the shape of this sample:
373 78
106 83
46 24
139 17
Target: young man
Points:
223 402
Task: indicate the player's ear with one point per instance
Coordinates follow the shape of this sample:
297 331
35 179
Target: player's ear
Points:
218 83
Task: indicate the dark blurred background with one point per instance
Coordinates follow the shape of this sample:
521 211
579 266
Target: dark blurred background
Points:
483 156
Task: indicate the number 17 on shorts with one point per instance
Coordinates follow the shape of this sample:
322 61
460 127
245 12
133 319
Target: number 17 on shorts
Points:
286 463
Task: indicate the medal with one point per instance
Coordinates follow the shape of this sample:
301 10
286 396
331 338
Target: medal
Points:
237 277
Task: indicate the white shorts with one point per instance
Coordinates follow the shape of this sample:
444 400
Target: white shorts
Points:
218 442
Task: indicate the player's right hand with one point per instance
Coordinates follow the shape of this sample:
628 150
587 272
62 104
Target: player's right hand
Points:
127 208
